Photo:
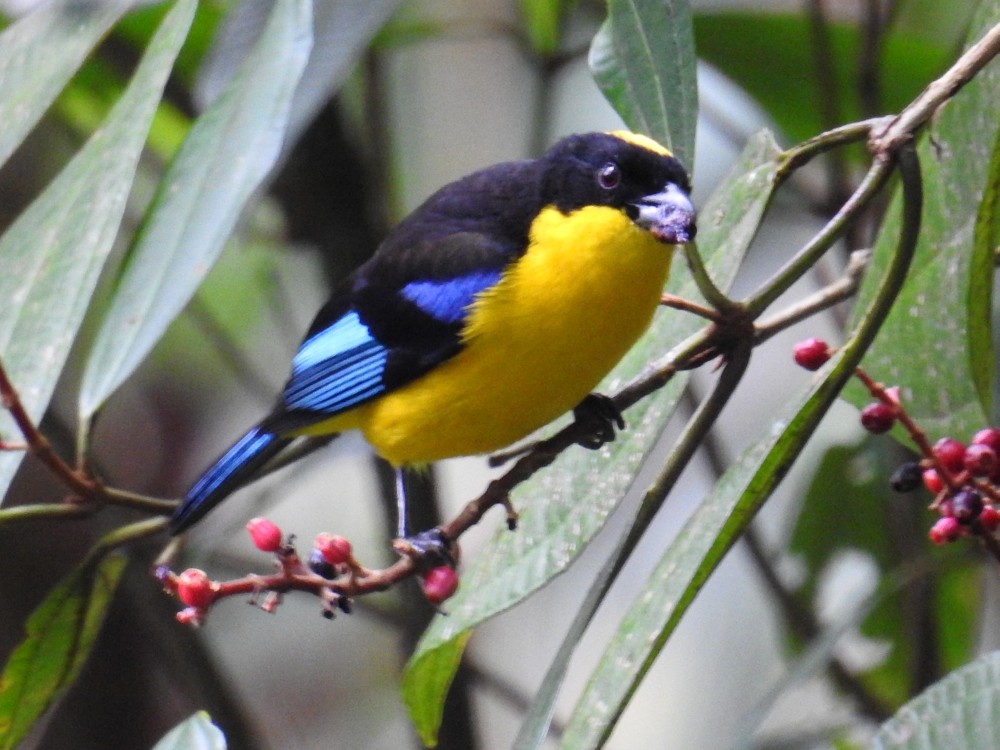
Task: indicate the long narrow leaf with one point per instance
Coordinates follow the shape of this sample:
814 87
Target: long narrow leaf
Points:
961 712
54 252
937 344
38 56
643 60
229 150
719 520
567 506
60 634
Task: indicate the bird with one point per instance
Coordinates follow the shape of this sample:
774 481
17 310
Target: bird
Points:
492 309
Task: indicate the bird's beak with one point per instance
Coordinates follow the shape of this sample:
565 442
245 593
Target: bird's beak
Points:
667 215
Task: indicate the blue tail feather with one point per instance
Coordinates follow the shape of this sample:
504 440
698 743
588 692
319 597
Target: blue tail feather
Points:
235 468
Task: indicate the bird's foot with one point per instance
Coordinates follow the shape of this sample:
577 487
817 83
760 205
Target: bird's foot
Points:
428 549
598 416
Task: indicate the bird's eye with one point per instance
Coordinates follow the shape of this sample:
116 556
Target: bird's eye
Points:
609 176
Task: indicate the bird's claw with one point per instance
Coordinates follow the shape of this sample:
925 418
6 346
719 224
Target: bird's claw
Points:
598 416
428 549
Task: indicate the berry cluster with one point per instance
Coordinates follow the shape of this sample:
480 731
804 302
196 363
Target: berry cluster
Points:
330 571
964 479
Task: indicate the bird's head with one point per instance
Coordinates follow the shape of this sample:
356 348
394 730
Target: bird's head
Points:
623 170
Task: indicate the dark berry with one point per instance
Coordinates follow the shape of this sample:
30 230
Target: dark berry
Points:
265 534
907 477
951 454
318 564
933 481
990 518
878 417
966 506
980 460
945 530
811 353
440 583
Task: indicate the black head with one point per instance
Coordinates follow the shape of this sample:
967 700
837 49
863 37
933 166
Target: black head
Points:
623 171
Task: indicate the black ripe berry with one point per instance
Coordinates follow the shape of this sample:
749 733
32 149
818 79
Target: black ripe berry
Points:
319 565
966 506
878 417
907 477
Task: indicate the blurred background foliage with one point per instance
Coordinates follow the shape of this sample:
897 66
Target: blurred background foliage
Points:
403 97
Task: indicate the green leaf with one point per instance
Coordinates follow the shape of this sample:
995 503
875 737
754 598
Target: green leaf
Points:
848 506
961 712
227 154
426 681
643 60
567 505
54 252
195 733
60 634
753 48
719 520
936 343
38 56
543 21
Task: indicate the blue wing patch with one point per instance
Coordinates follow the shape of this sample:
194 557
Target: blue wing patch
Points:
448 300
337 368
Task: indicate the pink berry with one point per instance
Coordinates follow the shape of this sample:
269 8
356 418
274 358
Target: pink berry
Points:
989 436
878 417
933 481
195 588
811 353
440 584
990 518
265 534
980 460
945 530
336 550
951 454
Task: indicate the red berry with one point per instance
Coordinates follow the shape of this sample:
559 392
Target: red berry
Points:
811 353
440 584
265 534
988 436
195 588
878 417
945 530
966 506
933 481
336 550
951 454
990 518
980 460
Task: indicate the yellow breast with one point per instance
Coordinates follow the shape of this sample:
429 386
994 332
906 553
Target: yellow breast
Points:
536 343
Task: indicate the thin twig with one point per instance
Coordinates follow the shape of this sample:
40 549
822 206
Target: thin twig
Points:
78 482
901 128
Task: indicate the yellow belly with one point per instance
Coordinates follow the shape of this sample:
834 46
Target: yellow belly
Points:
537 343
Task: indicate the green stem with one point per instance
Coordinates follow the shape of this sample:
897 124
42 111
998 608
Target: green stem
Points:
806 258
123 535
136 501
703 281
45 511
